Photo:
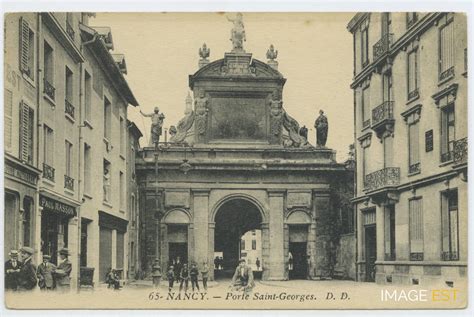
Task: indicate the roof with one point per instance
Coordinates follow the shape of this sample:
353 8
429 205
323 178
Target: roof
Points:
100 49
132 127
356 19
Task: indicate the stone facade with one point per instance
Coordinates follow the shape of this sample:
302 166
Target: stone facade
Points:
240 167
410 89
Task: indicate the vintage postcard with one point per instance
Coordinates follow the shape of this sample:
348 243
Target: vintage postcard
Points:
229 160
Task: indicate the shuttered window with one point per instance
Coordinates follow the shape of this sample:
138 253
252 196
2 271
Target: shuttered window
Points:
416 229
68 156
27 48
389 232
48 145
365 106
26 133
8 118
446 50
412 71
448 125
413 144
364 49
450 225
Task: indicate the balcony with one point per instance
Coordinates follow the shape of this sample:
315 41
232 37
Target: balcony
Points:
381 185
68 182
49 90
69 108
445 75
48 172
447 154
382 118
414 168
449 256
386 177
460 151
382 47
70 31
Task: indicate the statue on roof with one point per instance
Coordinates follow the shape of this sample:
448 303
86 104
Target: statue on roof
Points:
204 52
321 125
272 53
237 34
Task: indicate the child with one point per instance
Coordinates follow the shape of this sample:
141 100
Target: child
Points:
170 276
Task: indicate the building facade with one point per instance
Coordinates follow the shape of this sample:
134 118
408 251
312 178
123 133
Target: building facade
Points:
67 104
410 106
237 163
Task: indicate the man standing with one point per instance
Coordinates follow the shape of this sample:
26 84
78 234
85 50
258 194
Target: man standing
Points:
27 272
193 273
205 274
45 274
12 271
257 263
243 277
170 276
63 271
178 266
157 119
184 277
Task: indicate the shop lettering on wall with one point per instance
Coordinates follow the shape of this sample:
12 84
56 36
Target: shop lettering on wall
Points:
56 206
19 174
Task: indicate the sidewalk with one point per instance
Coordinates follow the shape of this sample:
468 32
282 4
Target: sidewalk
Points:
164 284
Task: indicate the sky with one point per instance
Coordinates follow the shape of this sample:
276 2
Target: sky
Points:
314 55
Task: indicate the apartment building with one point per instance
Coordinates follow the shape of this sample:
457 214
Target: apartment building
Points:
410 106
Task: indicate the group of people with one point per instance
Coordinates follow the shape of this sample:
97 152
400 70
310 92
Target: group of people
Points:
21 274
179 272
219 263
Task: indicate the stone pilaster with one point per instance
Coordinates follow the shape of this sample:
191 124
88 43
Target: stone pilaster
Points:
265 250
322 206
201 225
210 256
276 262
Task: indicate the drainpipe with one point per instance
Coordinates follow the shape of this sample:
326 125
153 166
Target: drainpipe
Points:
39 130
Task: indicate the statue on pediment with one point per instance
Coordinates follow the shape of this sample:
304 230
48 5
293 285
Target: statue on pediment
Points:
237 34
321 125
201 110
272 53
204 52
157 119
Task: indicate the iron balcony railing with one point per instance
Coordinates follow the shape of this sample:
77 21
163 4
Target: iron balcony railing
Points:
413 94
447 155
386 177
414 168
69 108
382 46
382 112
449 256
48 172
460 151
447 73
49 89
68 182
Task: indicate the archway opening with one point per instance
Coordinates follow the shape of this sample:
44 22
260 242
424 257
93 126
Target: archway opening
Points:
236 220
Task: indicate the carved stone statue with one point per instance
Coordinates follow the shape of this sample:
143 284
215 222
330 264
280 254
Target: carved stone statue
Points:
237 34
204 52
304 132
201 112
293 127
157 119
321 125
106 185
276 113
272 53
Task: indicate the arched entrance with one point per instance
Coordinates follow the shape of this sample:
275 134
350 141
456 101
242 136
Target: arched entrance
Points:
233 219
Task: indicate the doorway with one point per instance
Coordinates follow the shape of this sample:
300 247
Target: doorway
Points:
298 263
178 249
233 220
370 252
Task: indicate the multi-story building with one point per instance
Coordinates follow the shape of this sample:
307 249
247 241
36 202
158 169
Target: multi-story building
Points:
410 98
21 98
66 104
133 146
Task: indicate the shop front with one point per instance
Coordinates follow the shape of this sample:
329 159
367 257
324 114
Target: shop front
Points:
55 218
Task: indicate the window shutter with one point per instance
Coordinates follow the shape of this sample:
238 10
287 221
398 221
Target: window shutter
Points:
24 45
24 131
8 121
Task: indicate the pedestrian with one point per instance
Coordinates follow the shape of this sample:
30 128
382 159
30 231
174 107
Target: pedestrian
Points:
194 273
112 279
178 266
257 263
216 263
205 275
45 274
221 263
184 278
12 271
243 278
27 272
63 271
170 277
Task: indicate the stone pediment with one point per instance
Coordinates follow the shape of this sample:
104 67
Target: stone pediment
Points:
236 66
